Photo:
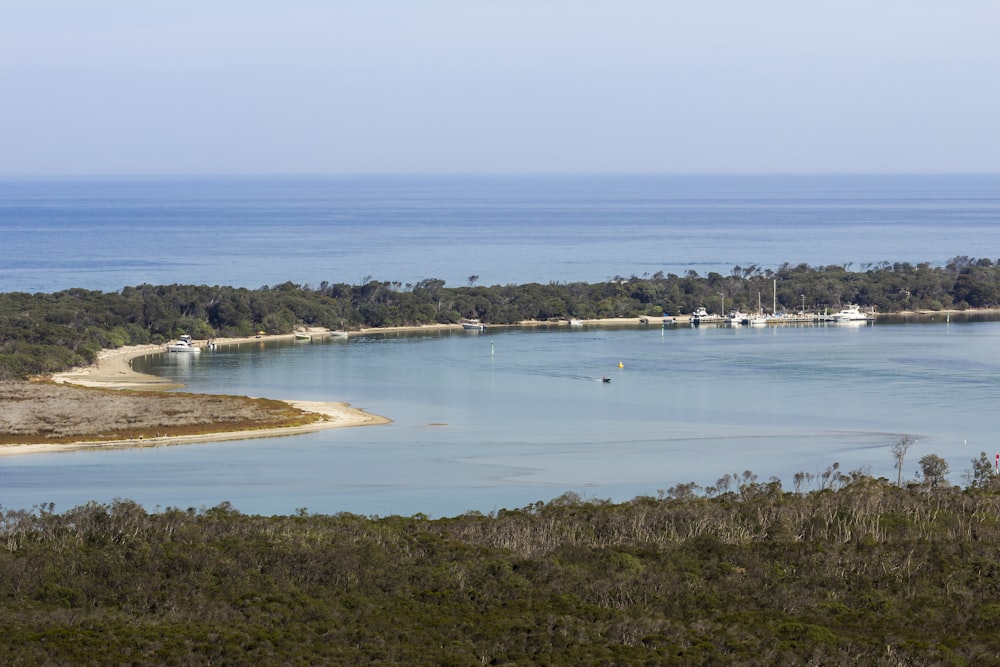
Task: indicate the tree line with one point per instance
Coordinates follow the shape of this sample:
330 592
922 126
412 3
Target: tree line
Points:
845 569
44 333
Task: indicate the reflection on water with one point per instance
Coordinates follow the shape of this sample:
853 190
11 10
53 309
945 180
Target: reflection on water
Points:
513 416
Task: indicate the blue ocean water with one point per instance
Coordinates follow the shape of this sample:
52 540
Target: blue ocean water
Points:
249 232
510 417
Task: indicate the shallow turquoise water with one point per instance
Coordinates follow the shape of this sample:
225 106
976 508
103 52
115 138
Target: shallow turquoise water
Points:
512 416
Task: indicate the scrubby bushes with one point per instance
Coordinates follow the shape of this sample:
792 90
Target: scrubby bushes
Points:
864 573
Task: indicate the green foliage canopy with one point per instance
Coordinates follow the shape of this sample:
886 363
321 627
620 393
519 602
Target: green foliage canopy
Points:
44 333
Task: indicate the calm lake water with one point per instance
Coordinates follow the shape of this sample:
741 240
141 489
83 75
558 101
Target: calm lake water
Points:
513 416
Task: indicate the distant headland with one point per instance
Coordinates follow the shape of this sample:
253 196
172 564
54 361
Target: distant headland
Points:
49 333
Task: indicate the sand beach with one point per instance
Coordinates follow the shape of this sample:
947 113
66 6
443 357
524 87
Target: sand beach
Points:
113 370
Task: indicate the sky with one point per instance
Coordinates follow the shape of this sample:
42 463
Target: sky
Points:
122 87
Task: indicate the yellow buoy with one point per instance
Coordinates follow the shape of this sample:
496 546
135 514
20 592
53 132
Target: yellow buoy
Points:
621 365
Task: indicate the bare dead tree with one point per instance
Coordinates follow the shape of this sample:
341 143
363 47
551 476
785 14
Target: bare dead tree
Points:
899 454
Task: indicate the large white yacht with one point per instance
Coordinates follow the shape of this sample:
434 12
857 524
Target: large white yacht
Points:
851 313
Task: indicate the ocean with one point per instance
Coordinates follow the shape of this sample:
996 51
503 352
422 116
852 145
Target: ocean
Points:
252 232
513 416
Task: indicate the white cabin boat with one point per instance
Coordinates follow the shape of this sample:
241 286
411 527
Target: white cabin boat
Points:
473 325
735 317
755 320
702 316
183 344
850 314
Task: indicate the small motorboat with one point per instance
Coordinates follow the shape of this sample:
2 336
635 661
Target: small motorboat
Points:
183 344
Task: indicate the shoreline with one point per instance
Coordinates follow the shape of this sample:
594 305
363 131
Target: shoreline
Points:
336 415
113 370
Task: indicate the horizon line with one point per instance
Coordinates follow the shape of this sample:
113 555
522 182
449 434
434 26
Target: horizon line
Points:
492 174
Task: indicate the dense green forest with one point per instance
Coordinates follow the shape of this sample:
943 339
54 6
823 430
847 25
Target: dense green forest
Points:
844 569
43 333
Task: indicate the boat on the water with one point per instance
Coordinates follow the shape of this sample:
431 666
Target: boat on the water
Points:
574 322
702 316
756 319
851 313
473 325
735 317
183 344
303 336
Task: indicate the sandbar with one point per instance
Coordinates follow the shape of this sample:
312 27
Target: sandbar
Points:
336 415
113 370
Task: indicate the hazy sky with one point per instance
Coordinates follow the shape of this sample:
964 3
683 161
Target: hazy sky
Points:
404 86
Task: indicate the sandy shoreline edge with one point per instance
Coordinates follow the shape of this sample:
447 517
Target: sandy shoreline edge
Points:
113 370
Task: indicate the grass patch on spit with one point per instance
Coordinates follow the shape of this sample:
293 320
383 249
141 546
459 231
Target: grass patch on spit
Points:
42 412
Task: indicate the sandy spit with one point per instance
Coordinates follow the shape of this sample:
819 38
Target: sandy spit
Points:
336 415
113 370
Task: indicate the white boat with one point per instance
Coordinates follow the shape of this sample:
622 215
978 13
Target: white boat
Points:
702 316
303 336
755 320
575 322
735 317
473 325
850 314
183 344
338 334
